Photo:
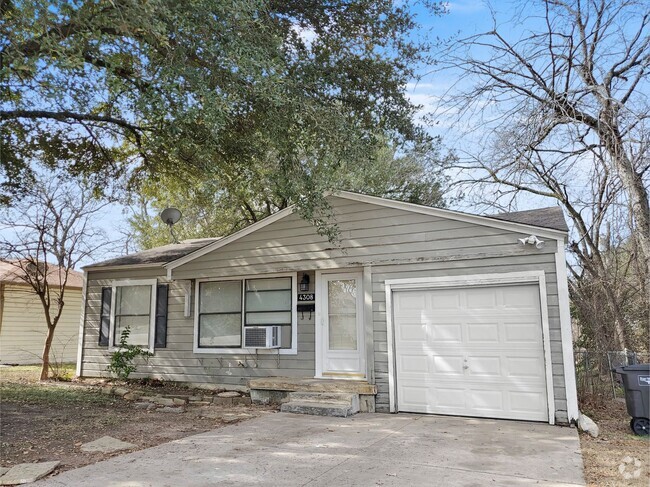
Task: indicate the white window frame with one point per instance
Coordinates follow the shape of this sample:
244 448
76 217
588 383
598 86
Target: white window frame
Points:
152 312
239 351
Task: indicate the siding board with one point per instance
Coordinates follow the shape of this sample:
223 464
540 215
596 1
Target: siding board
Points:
24 329
396 243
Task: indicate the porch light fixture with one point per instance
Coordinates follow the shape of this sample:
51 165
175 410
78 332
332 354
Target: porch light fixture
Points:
304 283
532 240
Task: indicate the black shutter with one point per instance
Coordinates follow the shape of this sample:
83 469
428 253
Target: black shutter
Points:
161 316
105 317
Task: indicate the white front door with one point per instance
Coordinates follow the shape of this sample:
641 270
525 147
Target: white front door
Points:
340 337
471 351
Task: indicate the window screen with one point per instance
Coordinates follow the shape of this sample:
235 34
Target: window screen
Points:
133 310
220 310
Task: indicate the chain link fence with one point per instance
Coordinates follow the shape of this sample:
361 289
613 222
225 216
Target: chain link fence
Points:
594 377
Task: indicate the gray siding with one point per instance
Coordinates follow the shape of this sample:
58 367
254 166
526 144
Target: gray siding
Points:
178 362
393 243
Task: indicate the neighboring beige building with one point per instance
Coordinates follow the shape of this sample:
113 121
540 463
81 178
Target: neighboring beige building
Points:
22 322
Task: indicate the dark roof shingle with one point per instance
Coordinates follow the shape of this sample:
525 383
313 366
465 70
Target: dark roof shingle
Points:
551 217
157 255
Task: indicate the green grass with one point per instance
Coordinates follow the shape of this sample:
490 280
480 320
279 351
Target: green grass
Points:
20 384
32 373
51 395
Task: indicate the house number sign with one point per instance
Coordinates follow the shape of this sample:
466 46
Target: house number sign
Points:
306 297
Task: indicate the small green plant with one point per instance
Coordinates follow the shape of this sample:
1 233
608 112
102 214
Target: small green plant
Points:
122 359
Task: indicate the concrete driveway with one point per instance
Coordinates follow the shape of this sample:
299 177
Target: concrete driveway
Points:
365 450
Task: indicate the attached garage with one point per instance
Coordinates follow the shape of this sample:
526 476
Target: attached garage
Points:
437 311
476 346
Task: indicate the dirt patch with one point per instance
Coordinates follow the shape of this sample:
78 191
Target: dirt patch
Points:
43 422
603 455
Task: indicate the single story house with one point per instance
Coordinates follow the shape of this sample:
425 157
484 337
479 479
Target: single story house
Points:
438 311
22 319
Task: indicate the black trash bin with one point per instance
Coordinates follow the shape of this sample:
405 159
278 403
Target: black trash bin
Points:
636 381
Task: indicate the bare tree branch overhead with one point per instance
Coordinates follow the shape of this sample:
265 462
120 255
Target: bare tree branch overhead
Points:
559 96
45 236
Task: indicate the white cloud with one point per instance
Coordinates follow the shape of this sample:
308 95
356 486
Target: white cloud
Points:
466 6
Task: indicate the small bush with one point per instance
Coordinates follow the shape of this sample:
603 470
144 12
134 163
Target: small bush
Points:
122 365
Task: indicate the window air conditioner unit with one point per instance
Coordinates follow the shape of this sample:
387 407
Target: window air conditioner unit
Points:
262 337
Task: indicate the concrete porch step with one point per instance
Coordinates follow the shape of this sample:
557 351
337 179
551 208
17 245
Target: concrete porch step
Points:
317 409
290 384
322 404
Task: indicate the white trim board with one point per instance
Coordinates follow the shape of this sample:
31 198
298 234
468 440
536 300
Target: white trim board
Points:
319 336
537 277
152 311
566 334
82 325
425 210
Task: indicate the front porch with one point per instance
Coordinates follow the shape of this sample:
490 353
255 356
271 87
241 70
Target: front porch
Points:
325 392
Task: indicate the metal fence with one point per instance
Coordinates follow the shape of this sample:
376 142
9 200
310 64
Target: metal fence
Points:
594 376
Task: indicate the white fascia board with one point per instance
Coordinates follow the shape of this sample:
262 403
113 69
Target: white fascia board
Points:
454 215
226 240
124 267
567 334
82 325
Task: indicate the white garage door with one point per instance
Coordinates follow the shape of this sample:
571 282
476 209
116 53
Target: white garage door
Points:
473 351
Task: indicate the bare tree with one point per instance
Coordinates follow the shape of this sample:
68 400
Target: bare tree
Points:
45 236
560 94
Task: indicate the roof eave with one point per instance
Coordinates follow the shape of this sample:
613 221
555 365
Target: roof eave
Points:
94 267
454 215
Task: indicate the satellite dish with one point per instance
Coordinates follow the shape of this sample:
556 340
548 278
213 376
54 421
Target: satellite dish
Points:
170 216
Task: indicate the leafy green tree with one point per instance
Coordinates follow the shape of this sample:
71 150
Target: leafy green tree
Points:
183 90
226 202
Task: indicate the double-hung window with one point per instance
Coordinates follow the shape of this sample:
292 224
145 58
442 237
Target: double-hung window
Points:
220 314
226 308
133 307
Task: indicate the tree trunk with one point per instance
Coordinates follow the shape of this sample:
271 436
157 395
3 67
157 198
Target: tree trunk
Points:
637 193
45 369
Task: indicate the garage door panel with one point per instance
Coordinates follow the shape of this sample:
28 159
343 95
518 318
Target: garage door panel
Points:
414 303
479 298
412 363
445 333
520 298
524 402
412 331
486 400
484 366
444 300
532 367
522 332
480 355
483 332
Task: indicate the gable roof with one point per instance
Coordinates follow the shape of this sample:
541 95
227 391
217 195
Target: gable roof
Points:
156 256
10 273
530 225
543 222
